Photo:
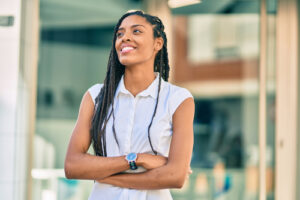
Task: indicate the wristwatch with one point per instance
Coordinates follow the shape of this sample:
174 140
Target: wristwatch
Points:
131 158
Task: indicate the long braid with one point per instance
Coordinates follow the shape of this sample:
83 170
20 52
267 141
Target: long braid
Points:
115 70
104 100
161 64
159 86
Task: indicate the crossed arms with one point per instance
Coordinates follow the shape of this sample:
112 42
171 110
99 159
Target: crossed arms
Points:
161 172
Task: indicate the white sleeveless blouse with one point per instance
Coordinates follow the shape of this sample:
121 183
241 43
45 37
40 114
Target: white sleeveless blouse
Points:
132 118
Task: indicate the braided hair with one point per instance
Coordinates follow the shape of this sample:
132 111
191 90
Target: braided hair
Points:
115 70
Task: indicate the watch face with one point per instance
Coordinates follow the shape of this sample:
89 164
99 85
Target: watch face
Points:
131 156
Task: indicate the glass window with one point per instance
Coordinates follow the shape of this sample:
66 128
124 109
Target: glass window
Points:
75 42
271 97
217 52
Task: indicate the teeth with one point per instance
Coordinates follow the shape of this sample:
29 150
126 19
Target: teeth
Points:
127 48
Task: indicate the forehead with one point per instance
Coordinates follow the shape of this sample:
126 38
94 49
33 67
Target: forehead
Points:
133 20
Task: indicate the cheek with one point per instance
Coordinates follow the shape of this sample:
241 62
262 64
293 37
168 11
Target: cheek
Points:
147 48
116 45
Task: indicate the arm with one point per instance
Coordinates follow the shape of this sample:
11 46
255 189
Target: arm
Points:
173 174
81 165
78 163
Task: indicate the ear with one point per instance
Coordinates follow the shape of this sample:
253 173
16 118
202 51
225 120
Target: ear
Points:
158 43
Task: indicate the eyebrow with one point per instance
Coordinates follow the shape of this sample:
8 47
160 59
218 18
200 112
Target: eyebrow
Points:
135 25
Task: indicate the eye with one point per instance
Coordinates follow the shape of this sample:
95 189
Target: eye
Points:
137 31
118 34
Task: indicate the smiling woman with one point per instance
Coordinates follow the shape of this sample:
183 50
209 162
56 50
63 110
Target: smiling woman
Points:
140 126
133 36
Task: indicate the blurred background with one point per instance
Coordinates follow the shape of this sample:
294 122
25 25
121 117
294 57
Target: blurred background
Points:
239 59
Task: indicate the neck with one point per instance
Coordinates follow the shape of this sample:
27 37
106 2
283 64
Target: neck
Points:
138 78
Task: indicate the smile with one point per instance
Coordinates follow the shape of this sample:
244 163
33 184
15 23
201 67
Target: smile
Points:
126 49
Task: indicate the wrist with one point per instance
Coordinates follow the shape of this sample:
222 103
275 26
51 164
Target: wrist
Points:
140 159
131 158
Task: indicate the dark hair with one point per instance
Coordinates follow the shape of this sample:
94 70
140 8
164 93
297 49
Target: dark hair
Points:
115 70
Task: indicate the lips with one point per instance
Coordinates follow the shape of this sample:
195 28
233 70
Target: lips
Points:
125 48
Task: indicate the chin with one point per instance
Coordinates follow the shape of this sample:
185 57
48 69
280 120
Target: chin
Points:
127 62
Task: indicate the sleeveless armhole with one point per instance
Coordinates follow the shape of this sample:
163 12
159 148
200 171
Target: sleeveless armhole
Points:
94 91
177 98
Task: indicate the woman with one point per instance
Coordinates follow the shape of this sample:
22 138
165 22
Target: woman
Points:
140 125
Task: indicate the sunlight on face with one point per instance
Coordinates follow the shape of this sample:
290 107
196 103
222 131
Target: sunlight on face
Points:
135 43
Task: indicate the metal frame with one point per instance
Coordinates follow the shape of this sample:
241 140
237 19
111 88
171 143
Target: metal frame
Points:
287 75
29 47
286 99
262 100
298 115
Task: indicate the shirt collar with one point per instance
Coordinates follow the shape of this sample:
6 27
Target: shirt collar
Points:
150 91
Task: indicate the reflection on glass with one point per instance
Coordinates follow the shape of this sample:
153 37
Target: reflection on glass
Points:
217 59
271 97
75 41
222 37
216 56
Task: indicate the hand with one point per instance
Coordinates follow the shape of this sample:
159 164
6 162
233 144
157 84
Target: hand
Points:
149 161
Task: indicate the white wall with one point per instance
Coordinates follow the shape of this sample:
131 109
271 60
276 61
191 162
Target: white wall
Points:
9 69
17 82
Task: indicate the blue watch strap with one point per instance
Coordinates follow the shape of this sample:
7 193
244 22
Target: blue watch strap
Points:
132 165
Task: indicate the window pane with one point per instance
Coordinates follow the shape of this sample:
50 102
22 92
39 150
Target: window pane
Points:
217 50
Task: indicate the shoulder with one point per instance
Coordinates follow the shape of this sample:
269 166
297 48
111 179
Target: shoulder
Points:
176 96
175 90
94 90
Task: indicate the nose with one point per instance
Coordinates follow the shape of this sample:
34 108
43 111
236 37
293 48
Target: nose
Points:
126 37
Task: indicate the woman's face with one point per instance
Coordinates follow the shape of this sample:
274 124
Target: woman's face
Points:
135 43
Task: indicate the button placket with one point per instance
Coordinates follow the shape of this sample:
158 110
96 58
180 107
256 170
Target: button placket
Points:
131 115
134 100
